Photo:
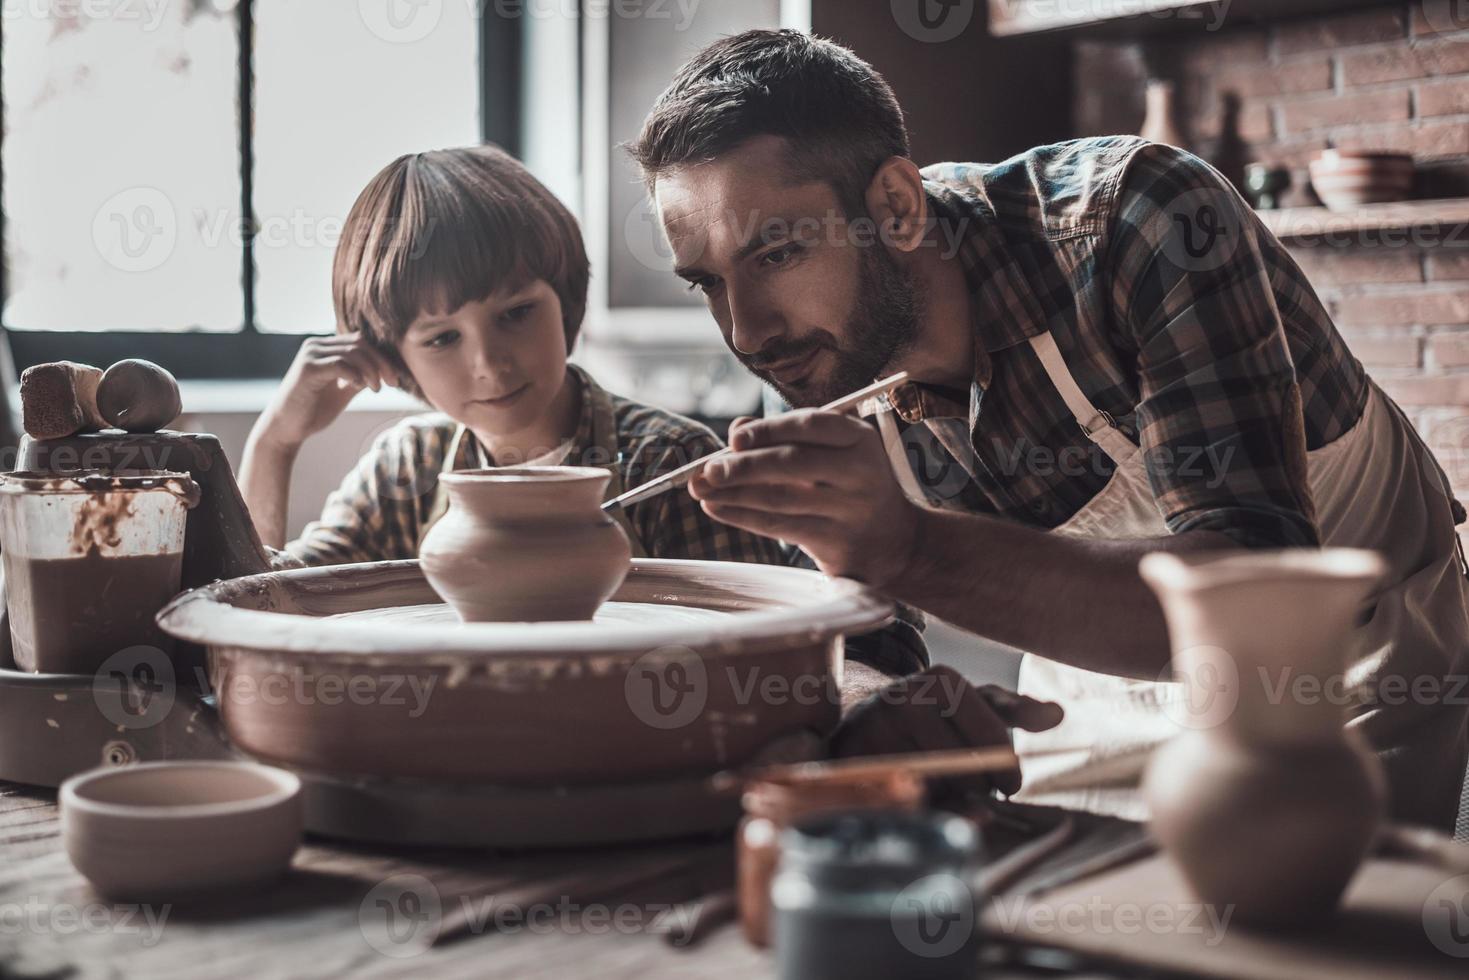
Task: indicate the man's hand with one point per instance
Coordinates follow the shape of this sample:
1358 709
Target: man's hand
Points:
937 709
819 480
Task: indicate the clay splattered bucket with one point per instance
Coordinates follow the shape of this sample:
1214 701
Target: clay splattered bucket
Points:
89 560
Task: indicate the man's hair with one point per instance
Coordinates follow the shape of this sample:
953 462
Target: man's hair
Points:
433 231
838 115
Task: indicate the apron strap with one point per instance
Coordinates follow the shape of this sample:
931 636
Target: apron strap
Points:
1098 426
892 441
604 443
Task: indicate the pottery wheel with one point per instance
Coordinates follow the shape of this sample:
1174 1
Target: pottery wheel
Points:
411 725
613 615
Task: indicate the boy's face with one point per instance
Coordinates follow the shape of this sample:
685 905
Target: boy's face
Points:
804 300
495 365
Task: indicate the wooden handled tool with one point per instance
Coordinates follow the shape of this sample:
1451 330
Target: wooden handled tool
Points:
957 762
856 400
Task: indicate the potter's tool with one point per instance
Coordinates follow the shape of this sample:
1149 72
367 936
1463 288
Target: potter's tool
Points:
857 400
690 923
957 762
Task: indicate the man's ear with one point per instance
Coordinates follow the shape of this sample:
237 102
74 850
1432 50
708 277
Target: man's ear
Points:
896 201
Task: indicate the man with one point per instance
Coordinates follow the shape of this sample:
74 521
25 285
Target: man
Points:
1114 350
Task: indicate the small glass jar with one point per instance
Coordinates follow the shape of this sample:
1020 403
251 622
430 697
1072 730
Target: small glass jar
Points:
773 805
877 894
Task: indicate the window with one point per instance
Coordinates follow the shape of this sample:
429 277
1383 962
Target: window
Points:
137 135
142 139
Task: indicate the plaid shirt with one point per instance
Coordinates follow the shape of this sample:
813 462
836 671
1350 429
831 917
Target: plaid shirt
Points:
382 509
1177 313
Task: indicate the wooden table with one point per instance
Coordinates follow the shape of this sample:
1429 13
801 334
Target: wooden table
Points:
328 917
323 919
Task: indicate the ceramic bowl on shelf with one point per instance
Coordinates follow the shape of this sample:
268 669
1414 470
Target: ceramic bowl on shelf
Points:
1347 179
159 831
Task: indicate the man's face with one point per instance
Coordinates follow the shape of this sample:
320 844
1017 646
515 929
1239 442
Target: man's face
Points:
808 300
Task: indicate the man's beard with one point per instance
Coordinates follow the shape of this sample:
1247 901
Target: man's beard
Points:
883 325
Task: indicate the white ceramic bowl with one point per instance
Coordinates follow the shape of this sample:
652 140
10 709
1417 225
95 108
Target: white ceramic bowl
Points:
161 830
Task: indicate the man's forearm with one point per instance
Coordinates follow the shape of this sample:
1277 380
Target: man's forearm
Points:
1072 599
265 483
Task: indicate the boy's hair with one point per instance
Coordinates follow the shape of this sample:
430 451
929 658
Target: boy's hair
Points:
838 115
433 231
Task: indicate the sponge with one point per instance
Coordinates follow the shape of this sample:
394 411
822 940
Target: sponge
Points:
60 399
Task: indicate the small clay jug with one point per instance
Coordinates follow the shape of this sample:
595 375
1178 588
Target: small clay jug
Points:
526 544
1265 801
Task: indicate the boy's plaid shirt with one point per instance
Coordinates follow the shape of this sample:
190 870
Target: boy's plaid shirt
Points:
381 510
1177 313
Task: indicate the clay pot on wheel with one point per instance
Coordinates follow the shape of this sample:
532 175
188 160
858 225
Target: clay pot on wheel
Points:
1264 800
525 544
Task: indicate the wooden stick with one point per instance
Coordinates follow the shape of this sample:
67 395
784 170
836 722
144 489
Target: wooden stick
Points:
683 474
956 762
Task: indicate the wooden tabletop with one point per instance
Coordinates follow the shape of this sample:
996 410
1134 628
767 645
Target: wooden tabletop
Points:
327 918
347 910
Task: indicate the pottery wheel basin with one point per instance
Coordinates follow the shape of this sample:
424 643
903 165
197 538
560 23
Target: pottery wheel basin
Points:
361 670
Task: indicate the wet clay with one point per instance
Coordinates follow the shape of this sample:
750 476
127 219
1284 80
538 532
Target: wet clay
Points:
83 610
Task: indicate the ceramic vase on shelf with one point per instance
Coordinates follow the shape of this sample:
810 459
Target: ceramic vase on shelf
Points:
1264 801
526 544
1160 124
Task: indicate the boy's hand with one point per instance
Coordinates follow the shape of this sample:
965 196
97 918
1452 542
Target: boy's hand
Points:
819 480
327 373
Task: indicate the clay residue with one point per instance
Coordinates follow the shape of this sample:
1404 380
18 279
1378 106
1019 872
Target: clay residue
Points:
99 522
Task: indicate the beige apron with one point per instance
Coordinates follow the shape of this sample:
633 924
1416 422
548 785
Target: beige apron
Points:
603 446
1378 487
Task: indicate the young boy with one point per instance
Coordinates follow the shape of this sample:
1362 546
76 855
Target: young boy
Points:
463 280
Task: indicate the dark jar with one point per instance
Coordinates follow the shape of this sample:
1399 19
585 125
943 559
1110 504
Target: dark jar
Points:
772 805
877 894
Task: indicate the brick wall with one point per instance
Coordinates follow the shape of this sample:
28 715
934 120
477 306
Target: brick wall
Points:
1391 77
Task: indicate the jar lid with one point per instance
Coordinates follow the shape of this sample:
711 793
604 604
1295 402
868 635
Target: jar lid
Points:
876 846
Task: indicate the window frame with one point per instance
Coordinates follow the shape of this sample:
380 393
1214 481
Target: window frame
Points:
250 353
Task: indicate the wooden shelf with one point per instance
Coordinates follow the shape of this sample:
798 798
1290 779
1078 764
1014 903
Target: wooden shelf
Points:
1132 17
1399 216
